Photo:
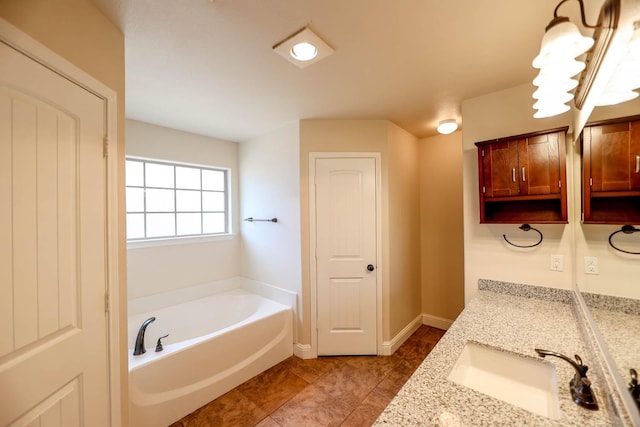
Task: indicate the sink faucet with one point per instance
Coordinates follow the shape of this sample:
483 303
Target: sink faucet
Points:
580 385
139 347
634 387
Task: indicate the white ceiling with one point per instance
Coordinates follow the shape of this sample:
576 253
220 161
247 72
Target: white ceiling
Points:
208 67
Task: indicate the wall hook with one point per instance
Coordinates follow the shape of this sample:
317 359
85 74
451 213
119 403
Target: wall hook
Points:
626 229
525 227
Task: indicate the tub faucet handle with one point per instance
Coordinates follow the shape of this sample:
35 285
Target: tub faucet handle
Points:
159 343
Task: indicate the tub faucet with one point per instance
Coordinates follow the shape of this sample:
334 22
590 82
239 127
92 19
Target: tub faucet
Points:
580 385
139 347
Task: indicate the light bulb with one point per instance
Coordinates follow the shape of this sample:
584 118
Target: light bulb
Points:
304 51
560 42
549 110
558 71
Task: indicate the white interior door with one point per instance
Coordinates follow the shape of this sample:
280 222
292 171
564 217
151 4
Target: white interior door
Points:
53 336
345 196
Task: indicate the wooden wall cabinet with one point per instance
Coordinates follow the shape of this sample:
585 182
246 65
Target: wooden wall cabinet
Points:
523 179
611 172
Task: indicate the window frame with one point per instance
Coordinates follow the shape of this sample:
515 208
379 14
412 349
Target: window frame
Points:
180 238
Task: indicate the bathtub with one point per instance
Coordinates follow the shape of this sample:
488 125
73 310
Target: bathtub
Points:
215 343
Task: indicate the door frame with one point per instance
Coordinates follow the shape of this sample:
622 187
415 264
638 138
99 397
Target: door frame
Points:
22 42
313 156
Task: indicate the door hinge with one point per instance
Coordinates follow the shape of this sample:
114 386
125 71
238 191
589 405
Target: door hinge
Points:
484 190
559 184
590 182
483 152
105 147
106 302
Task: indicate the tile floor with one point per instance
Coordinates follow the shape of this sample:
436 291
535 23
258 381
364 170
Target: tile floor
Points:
327 391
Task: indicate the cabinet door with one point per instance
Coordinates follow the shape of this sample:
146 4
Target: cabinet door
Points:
499 169
539 165
614 156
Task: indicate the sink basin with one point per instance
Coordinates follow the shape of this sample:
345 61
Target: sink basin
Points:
522 381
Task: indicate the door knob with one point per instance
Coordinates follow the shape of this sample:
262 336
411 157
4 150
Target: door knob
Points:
370 267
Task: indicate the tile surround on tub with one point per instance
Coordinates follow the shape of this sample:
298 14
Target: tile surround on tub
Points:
166 299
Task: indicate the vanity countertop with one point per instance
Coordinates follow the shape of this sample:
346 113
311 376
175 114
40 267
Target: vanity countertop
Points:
517 321
618 320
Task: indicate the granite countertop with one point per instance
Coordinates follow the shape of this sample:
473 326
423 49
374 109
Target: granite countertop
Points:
619 331
516 321
618 320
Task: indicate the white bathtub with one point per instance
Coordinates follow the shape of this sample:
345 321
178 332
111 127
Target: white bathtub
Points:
214 344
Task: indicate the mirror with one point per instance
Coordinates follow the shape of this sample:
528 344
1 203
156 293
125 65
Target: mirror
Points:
609 280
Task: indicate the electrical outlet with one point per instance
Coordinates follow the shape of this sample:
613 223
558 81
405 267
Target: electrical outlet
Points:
591 265
556 263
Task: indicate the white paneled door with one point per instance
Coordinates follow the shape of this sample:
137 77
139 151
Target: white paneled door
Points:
346 239
53 333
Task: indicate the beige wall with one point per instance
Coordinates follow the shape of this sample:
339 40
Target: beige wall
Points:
618 272
499 114
78 32
270 187
404 301
441 226
400 210
156 269
509 112
336 136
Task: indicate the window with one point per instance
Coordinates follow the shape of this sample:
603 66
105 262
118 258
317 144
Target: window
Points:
174 200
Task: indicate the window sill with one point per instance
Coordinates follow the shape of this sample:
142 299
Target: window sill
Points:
140 244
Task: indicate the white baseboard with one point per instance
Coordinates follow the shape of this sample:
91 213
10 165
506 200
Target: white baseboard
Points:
304 351
436 322
389 347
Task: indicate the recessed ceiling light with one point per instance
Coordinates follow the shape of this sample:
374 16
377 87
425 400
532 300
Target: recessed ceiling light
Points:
304 51
448 126
303 48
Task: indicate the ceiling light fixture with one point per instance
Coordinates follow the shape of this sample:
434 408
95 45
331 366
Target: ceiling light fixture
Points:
303 48
448 126
612 71
304 51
